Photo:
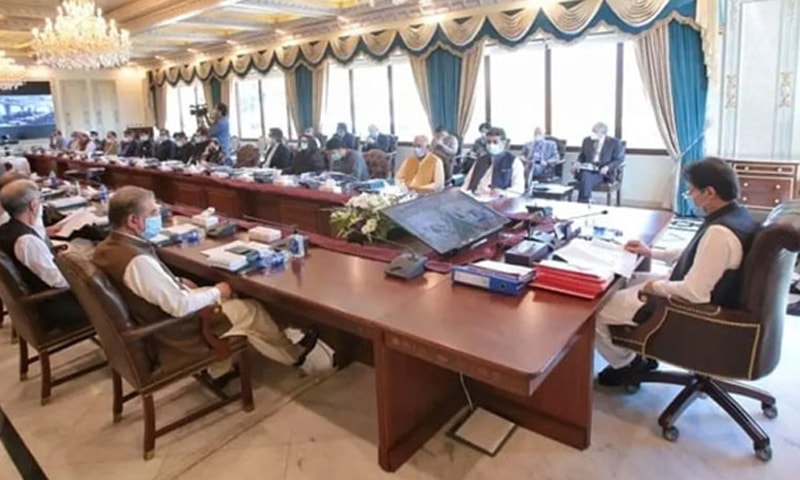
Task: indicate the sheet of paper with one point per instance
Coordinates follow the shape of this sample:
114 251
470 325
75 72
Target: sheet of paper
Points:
181 228
506 268
77 220
599 254
259 247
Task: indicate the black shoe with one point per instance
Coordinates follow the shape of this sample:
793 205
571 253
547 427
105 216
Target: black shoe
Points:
793 308
617 377
220 382
308 342
652 364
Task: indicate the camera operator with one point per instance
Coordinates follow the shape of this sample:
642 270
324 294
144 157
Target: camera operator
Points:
219 129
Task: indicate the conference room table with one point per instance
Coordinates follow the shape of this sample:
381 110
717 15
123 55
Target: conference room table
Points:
527 358
309 210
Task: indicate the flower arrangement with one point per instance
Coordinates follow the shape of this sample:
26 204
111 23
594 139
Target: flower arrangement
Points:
361 218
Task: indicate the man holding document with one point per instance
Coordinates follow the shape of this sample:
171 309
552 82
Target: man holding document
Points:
706 271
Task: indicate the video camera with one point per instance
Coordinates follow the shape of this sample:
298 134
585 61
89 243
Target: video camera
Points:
199 110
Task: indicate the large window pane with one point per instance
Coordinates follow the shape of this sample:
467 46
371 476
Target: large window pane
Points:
639 128
409 115
249 108
584 88
517 89
338 99
273 91
188 97
372 101
173 114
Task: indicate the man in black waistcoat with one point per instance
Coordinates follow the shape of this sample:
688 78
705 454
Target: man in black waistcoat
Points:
24 241
706 271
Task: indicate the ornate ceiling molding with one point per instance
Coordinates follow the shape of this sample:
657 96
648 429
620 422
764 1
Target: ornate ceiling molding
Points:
172 13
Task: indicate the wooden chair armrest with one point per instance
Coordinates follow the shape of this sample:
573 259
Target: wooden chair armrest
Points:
45 295
221 347
138 333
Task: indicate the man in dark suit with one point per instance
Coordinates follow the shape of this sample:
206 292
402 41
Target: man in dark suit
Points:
166 148
597 162
346 137
277 154
378 141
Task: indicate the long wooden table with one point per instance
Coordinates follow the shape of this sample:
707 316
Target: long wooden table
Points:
308 210
527 358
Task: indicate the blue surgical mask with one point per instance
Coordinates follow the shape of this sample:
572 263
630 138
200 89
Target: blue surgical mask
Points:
336 156
494 148
152 226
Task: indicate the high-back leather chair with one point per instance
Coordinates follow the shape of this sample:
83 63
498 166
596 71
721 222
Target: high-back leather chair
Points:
126 345
713 342
37 333
613 186
247 156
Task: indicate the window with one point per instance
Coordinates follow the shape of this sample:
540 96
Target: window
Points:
517 91
338 99
479 109
273 98
371 99
639 127
179 99
409 115
246 117
583 88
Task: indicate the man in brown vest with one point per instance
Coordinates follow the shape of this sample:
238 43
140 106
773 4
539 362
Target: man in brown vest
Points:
152 292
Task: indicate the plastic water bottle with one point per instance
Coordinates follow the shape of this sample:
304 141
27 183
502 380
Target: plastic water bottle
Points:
297 244
103 195
52 179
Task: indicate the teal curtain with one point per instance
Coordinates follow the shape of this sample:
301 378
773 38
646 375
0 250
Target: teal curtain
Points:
216 91
689 92
444 78
305 95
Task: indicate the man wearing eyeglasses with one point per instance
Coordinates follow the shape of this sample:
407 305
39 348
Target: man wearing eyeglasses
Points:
498 171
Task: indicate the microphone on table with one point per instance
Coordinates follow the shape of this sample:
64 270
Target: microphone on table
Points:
408 265
583 215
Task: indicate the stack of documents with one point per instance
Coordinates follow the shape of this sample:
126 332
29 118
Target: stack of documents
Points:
583 282
598 254
236 255
77 220
65 203
494 276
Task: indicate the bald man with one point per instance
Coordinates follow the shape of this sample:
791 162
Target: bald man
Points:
422 171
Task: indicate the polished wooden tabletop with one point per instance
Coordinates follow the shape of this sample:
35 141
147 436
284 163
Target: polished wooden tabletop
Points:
523 335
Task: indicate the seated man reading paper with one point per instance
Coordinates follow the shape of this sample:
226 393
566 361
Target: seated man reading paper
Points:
152 292
706 271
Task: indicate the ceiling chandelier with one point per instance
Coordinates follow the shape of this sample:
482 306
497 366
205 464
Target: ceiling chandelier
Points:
81 39
10 73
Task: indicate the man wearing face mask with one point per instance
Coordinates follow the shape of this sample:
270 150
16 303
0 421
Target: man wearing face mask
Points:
345 160
706 271
308 157
319 139
422 171
540 154
183 149
598 161
277 155
147 147
498 172
378 141
129 146
166 148
199 144
111 145
152 292
347 138
24 240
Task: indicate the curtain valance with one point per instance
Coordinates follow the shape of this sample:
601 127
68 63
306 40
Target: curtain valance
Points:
562 21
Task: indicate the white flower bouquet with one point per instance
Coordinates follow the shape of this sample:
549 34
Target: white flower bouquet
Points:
361 218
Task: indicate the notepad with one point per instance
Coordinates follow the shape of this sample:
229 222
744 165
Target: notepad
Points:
600 255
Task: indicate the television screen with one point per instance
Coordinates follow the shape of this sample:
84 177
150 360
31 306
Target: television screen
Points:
27 112
447 221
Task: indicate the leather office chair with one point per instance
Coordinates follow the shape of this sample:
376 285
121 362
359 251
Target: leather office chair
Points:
126 343
746 341
378 163
555 171
33 331
613 186
247 156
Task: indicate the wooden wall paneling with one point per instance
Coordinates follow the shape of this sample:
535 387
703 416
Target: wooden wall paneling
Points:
190 193
226 200
263 206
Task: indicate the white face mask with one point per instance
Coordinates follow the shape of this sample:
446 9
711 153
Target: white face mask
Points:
494 148
419 151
